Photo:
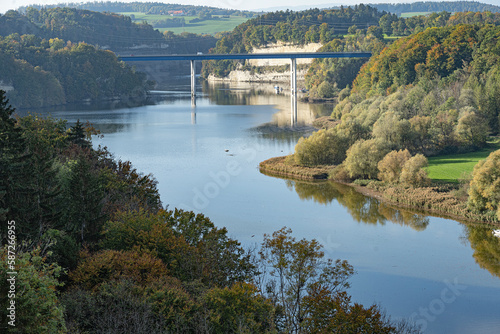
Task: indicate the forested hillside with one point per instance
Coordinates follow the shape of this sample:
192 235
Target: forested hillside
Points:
52 72
431 93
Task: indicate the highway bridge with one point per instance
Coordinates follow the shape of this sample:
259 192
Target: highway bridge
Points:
293 56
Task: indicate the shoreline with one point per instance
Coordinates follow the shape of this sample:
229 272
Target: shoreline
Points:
277 167
432 212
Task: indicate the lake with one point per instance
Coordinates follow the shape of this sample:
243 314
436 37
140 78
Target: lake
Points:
437 271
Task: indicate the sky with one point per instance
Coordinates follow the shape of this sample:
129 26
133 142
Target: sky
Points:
5 5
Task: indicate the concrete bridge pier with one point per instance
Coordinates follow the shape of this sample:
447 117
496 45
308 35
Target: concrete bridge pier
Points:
193 83
293 85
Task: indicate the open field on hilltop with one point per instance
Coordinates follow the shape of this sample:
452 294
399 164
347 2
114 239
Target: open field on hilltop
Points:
386 37
391 38
204 27
453 167
410 14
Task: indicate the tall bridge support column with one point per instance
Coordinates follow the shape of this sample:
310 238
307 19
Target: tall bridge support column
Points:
293 87
193 83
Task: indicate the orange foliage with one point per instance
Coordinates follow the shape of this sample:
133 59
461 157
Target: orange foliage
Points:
140 267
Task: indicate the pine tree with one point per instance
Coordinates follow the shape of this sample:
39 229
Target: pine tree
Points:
13 165
85 196
77 135
29 190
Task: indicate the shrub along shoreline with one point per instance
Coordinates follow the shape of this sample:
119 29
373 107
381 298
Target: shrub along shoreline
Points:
441 199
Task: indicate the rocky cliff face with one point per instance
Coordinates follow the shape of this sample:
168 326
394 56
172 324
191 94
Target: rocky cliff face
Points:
272 77
247 76
283 47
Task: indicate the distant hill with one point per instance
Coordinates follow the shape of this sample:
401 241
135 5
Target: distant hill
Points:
158 8
435 6
107 30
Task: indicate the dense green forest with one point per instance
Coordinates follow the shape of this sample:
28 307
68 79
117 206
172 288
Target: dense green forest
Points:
97 252
434 6
53 72
158 8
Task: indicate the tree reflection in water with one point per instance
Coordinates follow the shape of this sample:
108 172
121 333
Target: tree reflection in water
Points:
486 247
371 211
362 208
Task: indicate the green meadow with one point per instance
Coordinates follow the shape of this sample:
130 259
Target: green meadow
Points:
453 167
204 27
410 14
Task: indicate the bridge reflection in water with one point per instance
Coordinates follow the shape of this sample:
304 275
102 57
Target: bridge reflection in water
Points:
284 55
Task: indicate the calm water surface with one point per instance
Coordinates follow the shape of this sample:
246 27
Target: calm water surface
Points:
440 272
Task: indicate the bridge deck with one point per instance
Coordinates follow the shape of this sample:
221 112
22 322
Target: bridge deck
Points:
284 55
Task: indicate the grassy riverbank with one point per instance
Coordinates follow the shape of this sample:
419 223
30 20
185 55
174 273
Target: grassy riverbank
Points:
452 168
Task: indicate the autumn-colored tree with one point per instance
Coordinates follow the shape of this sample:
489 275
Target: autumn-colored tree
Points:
393 130
115 307
484 191
336 314
413 173
471 130
239 309
109 265
322 148
391 165
293 267
363 157
420 127
189 244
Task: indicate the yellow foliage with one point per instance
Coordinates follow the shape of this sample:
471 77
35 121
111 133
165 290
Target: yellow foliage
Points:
391 165
484 192
413 173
